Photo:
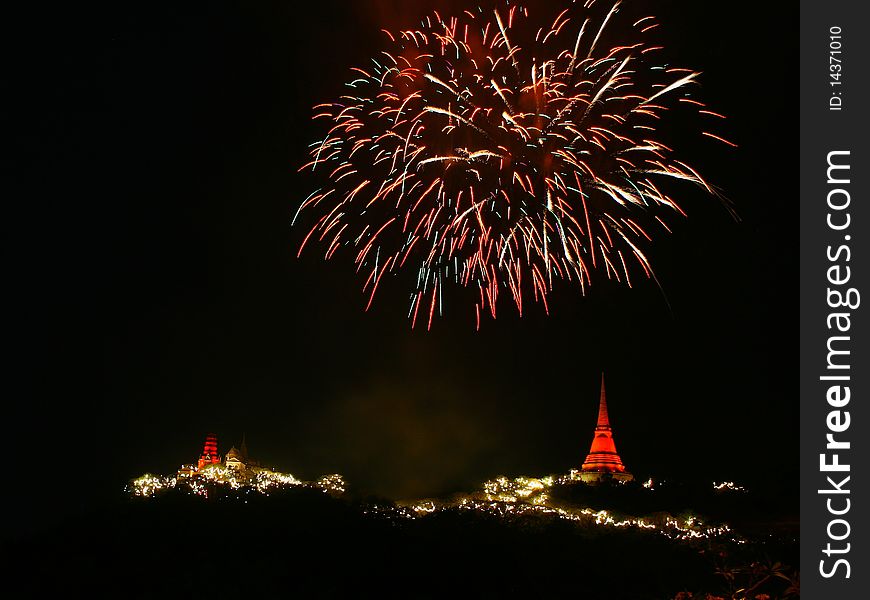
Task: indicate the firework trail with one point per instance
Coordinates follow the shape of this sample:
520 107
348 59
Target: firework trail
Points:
485 151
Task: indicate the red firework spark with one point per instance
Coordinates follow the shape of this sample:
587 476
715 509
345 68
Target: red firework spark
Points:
482 150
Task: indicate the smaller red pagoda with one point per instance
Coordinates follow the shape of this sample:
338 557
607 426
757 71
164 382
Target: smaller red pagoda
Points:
209 454
603 462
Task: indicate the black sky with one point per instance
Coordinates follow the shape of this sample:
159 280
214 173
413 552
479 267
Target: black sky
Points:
161 296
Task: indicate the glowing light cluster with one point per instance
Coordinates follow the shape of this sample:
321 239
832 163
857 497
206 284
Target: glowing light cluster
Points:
728 486
502 497
502 151
265 480
262 481
524 489
526 496
332 483
149 485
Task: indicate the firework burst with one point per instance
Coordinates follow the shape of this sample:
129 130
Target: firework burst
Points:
484 151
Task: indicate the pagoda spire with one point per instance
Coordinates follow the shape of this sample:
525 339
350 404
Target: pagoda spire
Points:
603 419
603 459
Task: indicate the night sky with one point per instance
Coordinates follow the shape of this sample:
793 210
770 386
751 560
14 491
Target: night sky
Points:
161 297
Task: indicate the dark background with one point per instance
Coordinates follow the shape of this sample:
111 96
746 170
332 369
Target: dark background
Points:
157 295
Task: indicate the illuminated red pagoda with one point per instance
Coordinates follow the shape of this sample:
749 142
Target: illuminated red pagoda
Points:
603 462
209 454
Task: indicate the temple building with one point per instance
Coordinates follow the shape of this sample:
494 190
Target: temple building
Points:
603 462
236 460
